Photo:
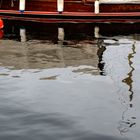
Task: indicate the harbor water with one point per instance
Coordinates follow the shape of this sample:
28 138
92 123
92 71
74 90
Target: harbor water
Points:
69 81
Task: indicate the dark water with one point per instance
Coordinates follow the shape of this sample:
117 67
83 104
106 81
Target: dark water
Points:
69 81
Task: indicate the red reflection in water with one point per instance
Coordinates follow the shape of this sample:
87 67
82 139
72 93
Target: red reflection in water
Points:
1 34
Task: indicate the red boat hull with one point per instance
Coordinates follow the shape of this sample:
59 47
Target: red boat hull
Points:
70 6
74 11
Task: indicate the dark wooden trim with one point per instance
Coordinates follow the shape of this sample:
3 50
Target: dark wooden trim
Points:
70 16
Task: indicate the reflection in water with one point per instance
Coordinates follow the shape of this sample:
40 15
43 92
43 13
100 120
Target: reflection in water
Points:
101 49
127 123
1 34
117 69
51 83
129 80
61 34
54 49
96 32
100 55
23 34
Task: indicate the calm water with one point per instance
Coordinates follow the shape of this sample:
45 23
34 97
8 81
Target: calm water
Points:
69 81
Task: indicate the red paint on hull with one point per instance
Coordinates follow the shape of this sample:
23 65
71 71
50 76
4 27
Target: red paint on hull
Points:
74 11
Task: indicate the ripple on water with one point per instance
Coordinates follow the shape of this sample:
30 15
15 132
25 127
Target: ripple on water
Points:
67 85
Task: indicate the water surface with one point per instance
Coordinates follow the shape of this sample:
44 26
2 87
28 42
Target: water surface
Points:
69 82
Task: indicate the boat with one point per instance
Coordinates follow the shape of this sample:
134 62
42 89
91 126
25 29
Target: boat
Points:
71 10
